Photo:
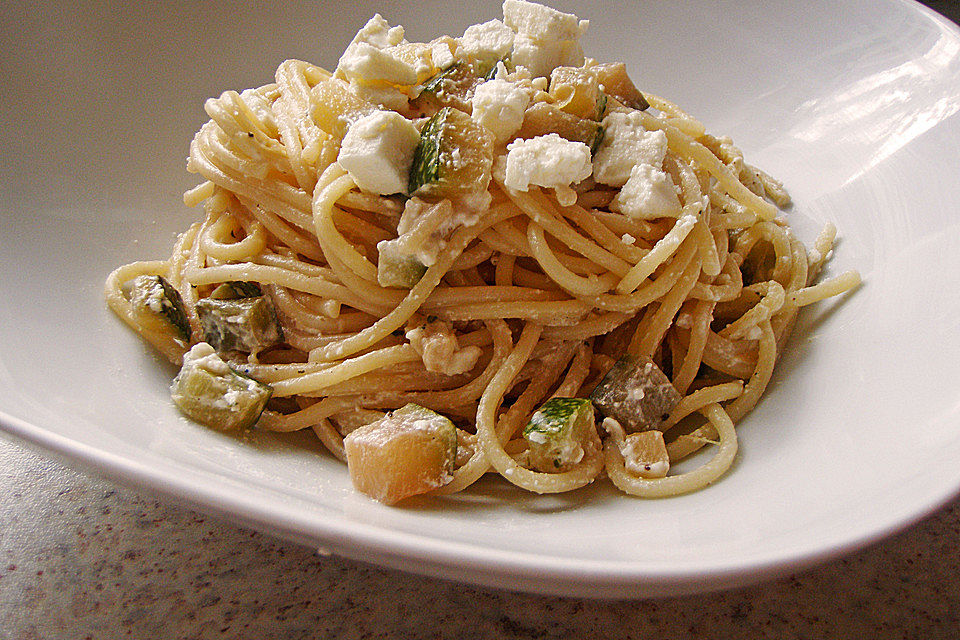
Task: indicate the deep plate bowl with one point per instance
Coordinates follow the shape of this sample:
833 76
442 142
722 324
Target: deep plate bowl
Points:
852 104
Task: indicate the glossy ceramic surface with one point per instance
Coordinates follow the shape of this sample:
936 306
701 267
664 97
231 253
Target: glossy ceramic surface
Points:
852 104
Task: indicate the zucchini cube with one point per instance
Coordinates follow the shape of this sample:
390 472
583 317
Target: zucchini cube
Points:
645 454
454 157
576 91
542 118
407 452
239 324
208 390
236 289
558 433
157 302
396 268
635 393
453 86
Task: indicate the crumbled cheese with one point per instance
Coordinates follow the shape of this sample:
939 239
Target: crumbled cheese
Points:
487 42
627 239
543 56
155 298
636 394
546 161
371 67
441 55
261 108
498 106
204 356
540 21
378 150
648 194
439 349
366 64
626 143
546 38
379 33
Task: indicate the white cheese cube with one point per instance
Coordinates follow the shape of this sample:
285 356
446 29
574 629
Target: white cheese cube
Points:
488 42
546 161
378 150
543 56
648 194
541 22
498 106
367 64
625 144
379 33
441 56
368 59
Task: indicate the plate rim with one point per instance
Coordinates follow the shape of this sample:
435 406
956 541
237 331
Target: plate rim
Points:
448 559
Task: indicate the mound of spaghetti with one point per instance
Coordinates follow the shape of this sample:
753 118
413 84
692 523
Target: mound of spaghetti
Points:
477 254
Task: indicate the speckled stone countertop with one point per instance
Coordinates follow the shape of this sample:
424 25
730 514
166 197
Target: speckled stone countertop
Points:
85 558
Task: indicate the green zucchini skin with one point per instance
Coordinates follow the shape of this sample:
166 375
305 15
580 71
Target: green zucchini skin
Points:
236 289
214 394
153 294
395 268
635 393
558 433
454 86
427 162
453 158
239 324
441 427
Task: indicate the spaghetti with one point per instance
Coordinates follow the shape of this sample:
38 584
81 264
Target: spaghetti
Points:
522 295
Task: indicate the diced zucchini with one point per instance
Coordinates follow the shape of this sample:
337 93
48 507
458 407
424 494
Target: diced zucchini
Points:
405 453
154 298
601 107
558 433
208 390
616 82
541 118
576 91
635 393
454 157
645 454
452 87
395 268
239 324
236 289
334 106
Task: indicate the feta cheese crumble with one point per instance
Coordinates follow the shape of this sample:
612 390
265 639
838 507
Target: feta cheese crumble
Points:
378 150
367 59
546 161
546 38
626 143
204 356
648 194
441 55
487 42
498 106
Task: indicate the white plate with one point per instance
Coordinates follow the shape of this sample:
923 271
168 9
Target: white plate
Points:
853 104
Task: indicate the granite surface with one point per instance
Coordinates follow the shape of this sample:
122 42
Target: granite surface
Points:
83 557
